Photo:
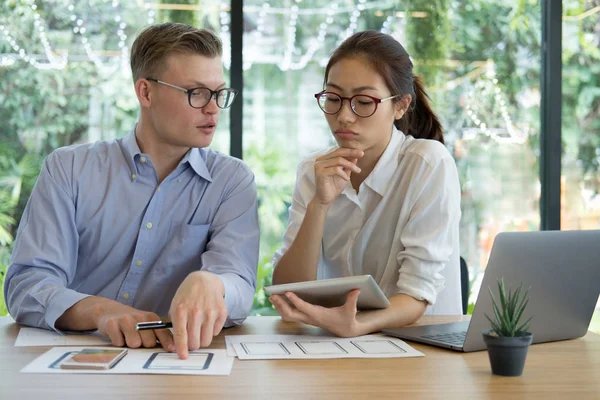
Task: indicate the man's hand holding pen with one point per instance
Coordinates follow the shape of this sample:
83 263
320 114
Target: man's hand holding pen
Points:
197 314
118 322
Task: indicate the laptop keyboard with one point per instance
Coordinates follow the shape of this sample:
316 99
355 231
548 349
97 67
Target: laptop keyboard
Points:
451 338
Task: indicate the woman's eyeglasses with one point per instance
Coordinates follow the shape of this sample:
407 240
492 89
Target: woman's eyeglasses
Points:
361 104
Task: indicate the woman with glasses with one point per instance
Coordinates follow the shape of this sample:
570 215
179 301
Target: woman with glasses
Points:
385 201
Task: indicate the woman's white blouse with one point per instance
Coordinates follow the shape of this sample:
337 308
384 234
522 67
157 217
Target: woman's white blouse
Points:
401 227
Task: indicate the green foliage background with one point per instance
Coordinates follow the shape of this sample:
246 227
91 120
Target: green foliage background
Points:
41 110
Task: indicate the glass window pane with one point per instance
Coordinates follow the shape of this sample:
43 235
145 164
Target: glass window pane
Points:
580 180
480 61
486 88
48 100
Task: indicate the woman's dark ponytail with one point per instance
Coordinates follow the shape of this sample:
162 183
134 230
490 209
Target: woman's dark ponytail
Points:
419 120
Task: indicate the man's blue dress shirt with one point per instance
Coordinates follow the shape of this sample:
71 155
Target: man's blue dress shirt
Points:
98 223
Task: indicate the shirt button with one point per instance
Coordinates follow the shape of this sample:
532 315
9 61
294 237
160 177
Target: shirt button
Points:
158 189
126 296
149 225
139 263
143 159
179 180
133 176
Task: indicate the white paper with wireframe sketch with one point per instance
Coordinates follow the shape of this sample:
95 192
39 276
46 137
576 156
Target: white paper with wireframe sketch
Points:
264 347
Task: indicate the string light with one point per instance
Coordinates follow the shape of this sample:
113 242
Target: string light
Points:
260 23
508 134
291 40
151 13
294 13
363 6
225 19
292 58
54 62
353 21
387 24
79 27
258 34
318 43
6 61
22 54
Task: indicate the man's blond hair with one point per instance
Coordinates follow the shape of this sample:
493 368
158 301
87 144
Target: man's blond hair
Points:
156 43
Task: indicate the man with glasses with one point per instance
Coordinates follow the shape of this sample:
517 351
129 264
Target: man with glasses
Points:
154 224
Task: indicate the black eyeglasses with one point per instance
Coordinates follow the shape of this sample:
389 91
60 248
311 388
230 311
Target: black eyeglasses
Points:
361 104
200 97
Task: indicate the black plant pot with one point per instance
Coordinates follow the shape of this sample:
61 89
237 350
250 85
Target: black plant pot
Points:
507 354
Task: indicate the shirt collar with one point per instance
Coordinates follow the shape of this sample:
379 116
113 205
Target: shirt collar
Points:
379 179
195 157
130 150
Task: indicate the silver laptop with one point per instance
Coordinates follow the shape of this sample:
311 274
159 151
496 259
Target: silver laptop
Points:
563 270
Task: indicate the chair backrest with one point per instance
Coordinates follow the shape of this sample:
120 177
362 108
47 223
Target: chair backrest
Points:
464 285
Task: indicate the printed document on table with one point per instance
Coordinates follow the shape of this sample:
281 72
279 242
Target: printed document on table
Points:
43 337
230 350
140 361
261 347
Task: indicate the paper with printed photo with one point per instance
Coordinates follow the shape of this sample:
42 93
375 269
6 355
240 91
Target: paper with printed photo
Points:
140 361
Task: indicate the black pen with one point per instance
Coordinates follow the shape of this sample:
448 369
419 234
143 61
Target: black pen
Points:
144 326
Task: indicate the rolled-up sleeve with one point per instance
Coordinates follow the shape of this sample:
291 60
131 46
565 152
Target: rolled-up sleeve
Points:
232 251
44 256
431 233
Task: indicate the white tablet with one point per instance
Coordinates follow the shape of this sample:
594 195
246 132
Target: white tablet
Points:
333 292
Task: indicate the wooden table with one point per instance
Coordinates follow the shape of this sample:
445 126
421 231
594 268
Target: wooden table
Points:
569 369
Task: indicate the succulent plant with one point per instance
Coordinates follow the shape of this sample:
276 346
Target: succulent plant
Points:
507 317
